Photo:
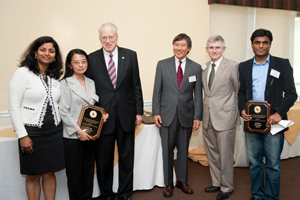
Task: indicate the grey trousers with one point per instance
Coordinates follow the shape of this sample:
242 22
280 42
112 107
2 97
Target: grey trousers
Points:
175 136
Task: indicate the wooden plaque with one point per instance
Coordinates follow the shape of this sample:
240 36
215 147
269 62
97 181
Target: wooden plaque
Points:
260 112
90 120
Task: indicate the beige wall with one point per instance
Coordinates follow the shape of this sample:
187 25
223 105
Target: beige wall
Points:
148 27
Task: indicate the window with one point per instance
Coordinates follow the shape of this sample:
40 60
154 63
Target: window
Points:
296 64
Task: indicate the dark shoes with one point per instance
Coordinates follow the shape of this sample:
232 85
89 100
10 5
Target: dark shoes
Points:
184 187
125 198
212 189
224 195
168 190
254 198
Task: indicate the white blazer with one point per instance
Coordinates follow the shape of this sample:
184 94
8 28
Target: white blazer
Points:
73 97
28 96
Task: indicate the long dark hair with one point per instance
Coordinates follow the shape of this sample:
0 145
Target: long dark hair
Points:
28 58
68 71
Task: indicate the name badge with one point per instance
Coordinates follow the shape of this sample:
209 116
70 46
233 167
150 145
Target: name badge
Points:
96 98
192 78
55 83
204 67
275 73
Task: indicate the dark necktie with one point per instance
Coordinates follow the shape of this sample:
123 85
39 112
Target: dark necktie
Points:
112 71
211 76
179 74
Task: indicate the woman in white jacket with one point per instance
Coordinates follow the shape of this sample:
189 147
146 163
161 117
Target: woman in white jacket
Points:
76 91
33 106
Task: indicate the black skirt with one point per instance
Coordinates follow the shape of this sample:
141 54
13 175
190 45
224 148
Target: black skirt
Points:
48 155
48 147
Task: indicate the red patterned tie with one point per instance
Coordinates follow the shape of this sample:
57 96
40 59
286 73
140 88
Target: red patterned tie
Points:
112 71
179 74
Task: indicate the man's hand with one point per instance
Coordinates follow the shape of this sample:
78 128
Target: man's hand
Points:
196 124
273 119
26 145
245 116
157 120
105 117
138 119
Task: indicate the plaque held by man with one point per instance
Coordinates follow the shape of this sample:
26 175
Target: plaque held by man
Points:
260 111
90 120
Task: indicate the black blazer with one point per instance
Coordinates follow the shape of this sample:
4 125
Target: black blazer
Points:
280 92
127 100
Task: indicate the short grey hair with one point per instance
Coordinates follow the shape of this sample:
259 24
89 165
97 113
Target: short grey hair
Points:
108 24
215 38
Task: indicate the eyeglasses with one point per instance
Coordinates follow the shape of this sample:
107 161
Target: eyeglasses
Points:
77 62
215 48
109 38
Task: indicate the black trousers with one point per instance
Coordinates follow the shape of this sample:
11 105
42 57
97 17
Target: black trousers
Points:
105 161
80 163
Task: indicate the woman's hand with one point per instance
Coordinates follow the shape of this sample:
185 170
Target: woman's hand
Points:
83 135
105 117
26 145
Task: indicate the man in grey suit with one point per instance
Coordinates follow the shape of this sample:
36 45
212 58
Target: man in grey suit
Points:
177 109
220 115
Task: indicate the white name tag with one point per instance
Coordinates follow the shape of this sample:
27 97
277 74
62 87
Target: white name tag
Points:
204 67
192 78
275 73
55 83
95 97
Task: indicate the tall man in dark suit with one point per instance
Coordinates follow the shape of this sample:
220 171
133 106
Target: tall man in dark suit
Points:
116 75
265 78
177 109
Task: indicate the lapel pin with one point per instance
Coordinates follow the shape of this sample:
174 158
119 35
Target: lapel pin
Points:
123 58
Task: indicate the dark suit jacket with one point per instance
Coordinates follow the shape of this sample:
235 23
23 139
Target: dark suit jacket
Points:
166 96
280 92
126 100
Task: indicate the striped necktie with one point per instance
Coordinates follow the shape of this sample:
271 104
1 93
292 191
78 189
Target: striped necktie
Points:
179 74
112 71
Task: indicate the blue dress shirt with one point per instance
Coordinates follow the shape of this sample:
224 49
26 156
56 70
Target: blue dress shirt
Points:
259 79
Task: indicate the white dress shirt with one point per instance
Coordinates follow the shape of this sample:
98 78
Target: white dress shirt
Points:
183 62
217 63
115 58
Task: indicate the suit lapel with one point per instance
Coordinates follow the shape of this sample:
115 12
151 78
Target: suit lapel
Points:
173 70
219 72
121 65
185 73
272 65
102 66
77 88
89 92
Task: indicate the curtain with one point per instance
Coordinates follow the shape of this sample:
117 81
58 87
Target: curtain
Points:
275 4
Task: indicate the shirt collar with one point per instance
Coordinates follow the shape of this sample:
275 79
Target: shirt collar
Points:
113 53
177 60
217 63
266 62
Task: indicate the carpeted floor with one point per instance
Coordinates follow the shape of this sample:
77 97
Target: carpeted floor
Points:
199 178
